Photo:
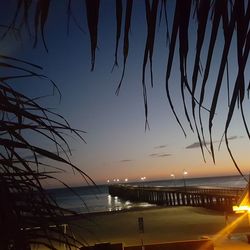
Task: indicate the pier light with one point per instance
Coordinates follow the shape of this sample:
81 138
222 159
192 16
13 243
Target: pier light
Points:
173 176
126 180
184 180
114 180
143 179
117 180
107 181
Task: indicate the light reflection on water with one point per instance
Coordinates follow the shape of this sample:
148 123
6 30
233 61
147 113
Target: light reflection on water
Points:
117 204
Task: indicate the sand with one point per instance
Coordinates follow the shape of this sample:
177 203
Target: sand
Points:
160 225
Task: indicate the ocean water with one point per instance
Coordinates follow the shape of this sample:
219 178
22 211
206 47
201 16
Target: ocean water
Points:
89 199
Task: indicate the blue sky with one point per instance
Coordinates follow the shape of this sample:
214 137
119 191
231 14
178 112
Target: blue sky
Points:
117 144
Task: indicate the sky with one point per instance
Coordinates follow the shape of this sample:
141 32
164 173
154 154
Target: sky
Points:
118 146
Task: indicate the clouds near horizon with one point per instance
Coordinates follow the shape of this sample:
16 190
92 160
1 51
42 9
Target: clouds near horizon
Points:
159 155
160 146
197 144
125 160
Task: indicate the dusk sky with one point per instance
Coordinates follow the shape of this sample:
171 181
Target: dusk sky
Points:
117 144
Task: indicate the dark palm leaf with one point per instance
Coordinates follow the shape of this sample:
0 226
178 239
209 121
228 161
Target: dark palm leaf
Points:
228 39
202 16
170 62
164 8
213 36
92 7
184 10
118 28
151 15
129 8
42 11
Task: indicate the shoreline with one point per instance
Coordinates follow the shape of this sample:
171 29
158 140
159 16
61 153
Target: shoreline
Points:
96 213
138 209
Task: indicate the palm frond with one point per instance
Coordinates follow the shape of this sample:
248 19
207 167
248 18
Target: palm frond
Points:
27 204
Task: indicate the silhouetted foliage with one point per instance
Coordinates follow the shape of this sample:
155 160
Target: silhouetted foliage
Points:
18 112
27 213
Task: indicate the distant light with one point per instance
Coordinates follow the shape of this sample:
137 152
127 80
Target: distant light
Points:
172 175
107 181
109 200
114 180
241 209
126 180
185 172
143 178
117 180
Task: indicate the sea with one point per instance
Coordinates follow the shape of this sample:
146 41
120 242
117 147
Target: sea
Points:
93 199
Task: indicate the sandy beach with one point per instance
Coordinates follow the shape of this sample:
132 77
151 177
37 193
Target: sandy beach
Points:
161 225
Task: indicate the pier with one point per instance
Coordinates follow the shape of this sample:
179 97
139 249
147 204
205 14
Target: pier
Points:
217 198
